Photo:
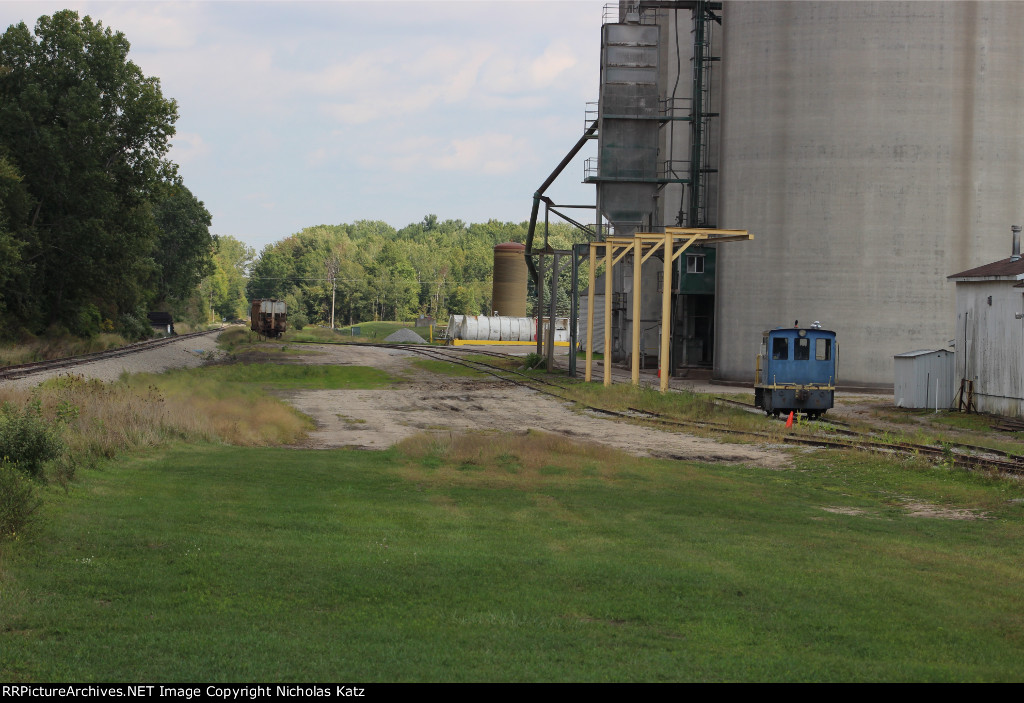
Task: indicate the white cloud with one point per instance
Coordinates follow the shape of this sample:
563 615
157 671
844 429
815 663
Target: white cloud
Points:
188 147
488 154
263 200
317 157
156 26
554 62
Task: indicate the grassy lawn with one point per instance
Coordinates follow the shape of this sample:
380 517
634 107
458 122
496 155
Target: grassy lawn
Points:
446 368
504 557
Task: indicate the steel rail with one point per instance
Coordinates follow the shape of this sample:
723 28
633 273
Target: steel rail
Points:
1009 464
19 370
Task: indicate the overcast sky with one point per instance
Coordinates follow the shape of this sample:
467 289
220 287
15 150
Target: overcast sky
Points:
294 114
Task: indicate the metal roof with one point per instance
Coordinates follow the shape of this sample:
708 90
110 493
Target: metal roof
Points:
1004 268
920 352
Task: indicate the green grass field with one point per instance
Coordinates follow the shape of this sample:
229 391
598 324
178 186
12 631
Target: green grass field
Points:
489 556
513 558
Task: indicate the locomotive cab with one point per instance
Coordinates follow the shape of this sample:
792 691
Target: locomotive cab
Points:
796 371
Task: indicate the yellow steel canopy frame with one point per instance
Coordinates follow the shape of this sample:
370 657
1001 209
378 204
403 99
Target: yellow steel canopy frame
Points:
643 245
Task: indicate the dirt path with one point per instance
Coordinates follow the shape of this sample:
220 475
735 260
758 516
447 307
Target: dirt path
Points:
376 419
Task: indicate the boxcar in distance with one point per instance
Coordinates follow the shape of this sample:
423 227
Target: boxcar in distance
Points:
268 318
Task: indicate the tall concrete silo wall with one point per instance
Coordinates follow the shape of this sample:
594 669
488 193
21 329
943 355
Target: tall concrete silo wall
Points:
873 148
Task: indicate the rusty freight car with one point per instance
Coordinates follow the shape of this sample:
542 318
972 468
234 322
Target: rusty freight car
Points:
268 317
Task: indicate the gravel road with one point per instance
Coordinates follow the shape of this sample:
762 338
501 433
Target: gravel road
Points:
181 353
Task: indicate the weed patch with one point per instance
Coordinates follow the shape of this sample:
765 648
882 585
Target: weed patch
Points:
27 440
56 347
18 501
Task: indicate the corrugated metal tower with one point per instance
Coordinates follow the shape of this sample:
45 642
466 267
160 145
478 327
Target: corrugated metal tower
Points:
875 148
628 112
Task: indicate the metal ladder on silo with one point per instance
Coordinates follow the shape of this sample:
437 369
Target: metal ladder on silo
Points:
701 116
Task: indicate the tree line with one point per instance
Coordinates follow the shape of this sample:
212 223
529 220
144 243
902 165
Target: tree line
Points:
96 225
372 271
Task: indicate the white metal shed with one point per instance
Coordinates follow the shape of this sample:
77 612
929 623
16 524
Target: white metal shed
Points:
924 379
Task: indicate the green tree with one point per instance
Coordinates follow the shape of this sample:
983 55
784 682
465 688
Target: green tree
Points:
184 251
14 204
464 301
89 133
392 282
232 259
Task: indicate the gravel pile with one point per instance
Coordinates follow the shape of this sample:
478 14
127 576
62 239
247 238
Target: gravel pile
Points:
182 353
405 335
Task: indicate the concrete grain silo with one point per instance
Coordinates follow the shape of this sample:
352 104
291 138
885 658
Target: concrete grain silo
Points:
508 291
874 148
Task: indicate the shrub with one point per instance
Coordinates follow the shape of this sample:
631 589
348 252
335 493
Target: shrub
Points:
135 326
298 320
86 321
27 440
533 360
18 501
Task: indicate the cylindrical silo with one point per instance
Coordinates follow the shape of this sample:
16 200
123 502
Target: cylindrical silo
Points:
872 148
508 297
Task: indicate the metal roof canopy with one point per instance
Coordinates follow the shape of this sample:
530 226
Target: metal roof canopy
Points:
646 244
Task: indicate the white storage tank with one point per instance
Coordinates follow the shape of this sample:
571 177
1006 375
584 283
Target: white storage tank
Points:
493 328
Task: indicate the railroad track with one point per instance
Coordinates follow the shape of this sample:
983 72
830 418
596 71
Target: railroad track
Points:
9 372
840 436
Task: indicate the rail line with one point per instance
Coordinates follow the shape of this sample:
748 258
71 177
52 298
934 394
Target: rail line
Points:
957 454
848 438
19 370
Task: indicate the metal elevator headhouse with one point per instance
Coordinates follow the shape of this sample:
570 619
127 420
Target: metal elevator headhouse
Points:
648 173
631 171
630 113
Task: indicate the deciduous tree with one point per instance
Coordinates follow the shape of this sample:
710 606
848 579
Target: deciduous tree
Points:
89 133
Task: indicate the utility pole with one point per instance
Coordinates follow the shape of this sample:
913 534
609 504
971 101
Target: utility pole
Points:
332 274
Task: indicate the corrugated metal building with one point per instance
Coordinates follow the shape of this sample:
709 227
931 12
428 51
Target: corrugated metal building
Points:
990 333
924 379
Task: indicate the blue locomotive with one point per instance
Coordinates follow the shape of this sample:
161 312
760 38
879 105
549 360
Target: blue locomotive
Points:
796 371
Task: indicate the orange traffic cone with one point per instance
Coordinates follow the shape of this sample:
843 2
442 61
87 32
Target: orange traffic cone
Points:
789 420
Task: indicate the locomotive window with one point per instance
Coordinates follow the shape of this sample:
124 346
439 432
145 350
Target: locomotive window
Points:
803 350
822 349
780 348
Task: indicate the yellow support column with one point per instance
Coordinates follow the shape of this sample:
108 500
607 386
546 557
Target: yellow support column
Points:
591 278
666 312
609 264
637 260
